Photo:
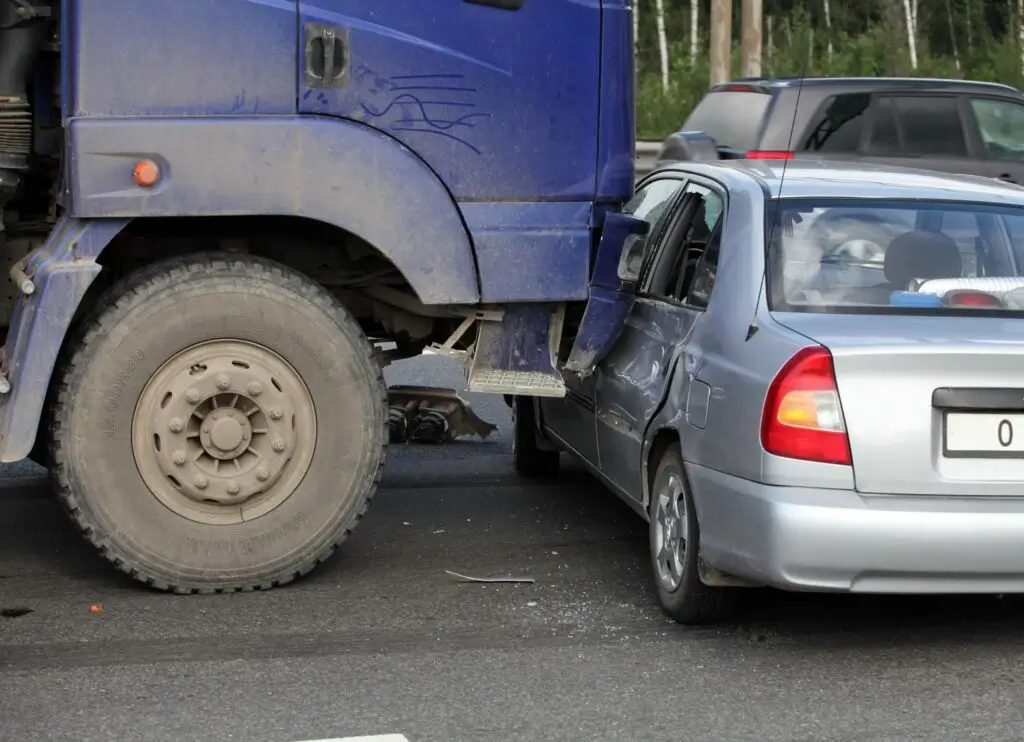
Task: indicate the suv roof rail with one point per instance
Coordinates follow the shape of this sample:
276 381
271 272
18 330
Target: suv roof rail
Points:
767 80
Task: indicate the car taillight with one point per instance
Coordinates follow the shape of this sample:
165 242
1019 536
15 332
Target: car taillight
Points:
763 154
802 417
978 299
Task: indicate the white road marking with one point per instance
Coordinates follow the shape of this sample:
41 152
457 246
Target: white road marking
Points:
371 738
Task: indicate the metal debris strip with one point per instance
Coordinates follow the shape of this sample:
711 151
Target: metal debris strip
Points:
467 578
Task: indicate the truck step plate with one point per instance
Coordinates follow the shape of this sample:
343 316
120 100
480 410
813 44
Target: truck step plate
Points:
526 383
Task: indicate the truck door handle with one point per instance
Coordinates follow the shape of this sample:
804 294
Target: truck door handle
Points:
326 56
500 4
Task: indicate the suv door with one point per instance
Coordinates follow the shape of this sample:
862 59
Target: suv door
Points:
920 130
997 127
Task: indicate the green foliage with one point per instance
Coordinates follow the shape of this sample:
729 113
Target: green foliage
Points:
868 39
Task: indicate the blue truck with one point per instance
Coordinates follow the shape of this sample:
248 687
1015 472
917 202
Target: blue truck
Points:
222 217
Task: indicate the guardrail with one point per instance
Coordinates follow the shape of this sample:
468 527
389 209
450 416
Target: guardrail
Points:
645 154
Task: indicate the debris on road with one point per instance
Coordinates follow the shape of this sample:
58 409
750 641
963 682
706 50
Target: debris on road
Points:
466 578
425 414
15 612
96 608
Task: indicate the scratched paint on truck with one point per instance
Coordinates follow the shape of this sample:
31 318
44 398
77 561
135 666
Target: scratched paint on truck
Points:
503 105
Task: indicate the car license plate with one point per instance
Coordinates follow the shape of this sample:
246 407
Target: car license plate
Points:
984 435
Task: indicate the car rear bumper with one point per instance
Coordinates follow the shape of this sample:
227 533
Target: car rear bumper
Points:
799 538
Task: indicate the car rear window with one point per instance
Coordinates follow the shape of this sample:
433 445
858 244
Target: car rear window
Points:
849 256
732 118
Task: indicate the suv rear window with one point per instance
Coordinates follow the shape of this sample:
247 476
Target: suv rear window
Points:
731 117
852 255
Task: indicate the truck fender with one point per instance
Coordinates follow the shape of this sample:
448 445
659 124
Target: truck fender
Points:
62 270
331 170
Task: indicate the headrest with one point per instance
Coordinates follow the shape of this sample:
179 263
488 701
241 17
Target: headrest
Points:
922 255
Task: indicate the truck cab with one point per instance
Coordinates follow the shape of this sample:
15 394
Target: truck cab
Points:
222 216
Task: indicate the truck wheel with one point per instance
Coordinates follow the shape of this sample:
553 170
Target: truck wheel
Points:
220 425
529 459
675 546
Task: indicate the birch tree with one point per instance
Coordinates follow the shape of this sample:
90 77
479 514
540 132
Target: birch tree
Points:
1020 32
828 27
659 18
694 26
636 26
952 34
910 13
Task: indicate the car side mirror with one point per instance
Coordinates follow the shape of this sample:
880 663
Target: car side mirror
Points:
632 258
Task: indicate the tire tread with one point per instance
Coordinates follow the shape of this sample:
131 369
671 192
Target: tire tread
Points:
130 293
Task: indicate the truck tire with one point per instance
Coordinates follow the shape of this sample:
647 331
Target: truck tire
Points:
530 460
220 425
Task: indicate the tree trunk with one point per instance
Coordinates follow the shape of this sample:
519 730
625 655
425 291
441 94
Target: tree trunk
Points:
969 13
694 27
750 38
770 46
952 34
908 11
636 26
828 27
810 52
1020 33
659 17
721 41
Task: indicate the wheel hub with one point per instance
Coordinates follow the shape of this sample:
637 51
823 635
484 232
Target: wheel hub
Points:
222 423
225 433
670 533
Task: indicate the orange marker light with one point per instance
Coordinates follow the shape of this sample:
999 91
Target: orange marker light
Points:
146 174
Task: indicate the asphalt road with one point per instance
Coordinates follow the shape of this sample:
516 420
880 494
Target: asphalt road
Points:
381 641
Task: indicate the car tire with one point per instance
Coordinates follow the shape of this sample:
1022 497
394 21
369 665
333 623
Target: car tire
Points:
530 460
675 548
220 425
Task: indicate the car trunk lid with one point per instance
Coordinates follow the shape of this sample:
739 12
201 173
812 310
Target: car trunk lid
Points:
934 405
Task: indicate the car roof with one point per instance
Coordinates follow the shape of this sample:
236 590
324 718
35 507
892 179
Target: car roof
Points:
818 179
866 83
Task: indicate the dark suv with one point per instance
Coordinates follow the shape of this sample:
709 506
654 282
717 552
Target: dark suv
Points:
953 126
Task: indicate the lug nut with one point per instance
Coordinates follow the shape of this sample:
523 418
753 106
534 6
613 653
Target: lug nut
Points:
275 413
201 482
262 474
179 458
193 396
278 445
223 381
254 388
233 488
177 425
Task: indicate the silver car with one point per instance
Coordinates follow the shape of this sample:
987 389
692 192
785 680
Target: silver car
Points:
819 384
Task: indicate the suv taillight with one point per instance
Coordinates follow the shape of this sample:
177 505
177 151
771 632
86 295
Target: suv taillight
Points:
802 417
762 154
